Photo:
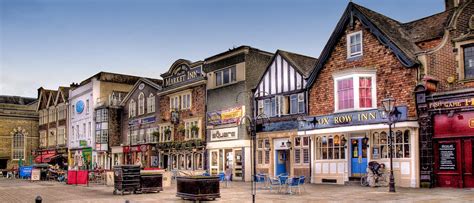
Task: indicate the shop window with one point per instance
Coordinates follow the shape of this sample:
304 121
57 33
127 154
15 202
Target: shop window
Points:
198 161
329 147
301 150
189 161
468 54
401 144
355 92
354 44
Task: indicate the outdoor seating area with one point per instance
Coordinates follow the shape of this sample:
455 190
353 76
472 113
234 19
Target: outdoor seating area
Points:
282 183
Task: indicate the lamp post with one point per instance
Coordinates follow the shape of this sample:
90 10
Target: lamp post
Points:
389 111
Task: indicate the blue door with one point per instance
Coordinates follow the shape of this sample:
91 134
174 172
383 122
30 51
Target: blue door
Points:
280 162
358 157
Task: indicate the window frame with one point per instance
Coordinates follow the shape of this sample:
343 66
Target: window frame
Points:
263 155
356 89
320 147
141 103
16 148
232 77
348 45
464 47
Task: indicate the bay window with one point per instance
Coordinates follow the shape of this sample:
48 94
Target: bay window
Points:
355 92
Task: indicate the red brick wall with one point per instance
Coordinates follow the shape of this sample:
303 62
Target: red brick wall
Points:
198 109
429 44
392 77
442 62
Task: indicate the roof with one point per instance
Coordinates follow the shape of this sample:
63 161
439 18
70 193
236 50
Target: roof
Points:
64 91
6 99
135 87
304 64
116 78
400 38
240 48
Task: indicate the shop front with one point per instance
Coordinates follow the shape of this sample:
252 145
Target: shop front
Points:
344 143
145 155
227 154
80 158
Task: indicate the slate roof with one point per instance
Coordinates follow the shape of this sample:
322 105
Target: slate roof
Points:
400 38
64 91
304 64
117 78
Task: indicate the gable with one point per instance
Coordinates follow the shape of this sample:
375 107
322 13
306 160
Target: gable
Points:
43 99
142 85
280 77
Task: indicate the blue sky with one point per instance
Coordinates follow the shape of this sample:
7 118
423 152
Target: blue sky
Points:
55 42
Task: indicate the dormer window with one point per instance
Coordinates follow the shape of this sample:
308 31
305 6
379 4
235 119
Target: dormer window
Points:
468 53
354 44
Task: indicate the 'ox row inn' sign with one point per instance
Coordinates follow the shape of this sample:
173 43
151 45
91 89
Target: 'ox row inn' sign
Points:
182 73
348 119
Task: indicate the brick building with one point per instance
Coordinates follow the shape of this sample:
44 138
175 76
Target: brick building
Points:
53 113
140 117
182 110
231 76
281 96
367 58
444 96
18 130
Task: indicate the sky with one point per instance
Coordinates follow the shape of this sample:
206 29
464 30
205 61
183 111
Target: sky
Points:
51 43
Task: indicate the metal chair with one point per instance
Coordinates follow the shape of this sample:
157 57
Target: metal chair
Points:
302 182
283 180
259 178
274 182
294 183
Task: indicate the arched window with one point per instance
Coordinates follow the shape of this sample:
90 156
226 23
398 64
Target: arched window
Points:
132 106
18 146
141 103
150 103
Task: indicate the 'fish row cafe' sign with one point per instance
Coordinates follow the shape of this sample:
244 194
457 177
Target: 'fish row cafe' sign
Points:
355 118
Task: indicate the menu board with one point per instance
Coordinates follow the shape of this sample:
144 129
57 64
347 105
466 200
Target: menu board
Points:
447 156
35 174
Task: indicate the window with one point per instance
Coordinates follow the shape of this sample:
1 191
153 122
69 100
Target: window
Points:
61 112
166 133
282 105
263 151
192 129
18 146
132 107
43 138
355 92
226 76
102 115
51 137
61 136
87 106
468 61
73 110
329 147
141 103
198 161
354 44
150 104
181 101
301 150
401 144
52 115
149 135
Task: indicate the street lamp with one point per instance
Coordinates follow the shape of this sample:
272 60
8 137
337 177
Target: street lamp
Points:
389 111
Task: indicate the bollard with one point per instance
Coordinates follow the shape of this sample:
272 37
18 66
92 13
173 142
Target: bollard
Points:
126 201
38 199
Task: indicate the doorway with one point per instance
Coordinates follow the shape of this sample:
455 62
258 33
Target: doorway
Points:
453 162
358 157
238 165
165 161
280 165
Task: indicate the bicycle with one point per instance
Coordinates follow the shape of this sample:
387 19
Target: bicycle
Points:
363 181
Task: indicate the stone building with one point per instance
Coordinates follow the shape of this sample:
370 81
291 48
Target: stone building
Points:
18 130
281 98
444 96
53 112
368 57
182 110
97 97
231 75
140 118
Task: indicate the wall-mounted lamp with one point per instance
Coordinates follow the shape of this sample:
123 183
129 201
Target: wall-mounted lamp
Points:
288 144
365 141
343 142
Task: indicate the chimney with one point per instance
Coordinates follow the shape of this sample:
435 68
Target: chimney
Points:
449 4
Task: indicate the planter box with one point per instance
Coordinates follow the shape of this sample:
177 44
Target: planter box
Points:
198 188
151 182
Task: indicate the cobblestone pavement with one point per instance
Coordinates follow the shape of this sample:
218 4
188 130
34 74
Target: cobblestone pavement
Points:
25 191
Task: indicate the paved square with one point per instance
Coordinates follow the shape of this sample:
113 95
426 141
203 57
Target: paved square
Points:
25 191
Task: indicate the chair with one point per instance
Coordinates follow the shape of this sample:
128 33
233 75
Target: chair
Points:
206 174
260 178
222 177
284 174
302 182
283 180
294 183
274 182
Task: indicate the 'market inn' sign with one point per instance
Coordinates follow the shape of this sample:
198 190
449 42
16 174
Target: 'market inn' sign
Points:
348 119
181 74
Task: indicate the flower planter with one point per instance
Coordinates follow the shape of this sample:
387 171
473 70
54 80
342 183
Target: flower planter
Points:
198 188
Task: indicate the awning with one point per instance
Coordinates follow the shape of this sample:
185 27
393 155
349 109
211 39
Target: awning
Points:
45 158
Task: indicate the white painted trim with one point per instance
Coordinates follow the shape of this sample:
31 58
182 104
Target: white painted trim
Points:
228 144
355 75
405 124
348 45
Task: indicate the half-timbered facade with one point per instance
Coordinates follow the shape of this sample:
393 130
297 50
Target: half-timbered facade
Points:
53 114
281 99
181 127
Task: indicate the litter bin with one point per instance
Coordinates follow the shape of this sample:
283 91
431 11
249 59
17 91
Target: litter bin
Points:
126 178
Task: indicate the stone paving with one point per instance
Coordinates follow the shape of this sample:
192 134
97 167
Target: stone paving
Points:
25 191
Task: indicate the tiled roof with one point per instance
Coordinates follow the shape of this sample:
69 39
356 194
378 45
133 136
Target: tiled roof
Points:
5 99
304 64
